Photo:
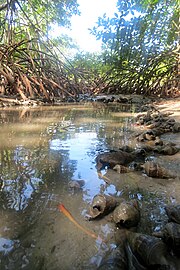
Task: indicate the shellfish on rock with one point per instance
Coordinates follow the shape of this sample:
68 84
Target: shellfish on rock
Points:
148 135
149 251
158 131
153 169
166 150
173 212
158 141
171 236
127 214
101 205
176 127
121 169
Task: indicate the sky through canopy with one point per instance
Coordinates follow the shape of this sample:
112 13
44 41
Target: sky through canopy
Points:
90 11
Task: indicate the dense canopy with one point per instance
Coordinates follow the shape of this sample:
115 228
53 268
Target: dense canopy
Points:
142 42
140 51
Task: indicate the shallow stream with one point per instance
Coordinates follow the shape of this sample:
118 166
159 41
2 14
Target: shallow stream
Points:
42 150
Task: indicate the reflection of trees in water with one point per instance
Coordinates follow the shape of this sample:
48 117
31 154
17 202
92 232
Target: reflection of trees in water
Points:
26 171
116 134
112 130
33 176
14 115
99 110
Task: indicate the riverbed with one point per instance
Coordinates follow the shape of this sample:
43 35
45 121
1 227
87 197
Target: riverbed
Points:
45 148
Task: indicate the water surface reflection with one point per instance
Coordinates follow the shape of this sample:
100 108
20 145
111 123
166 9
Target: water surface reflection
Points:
41 151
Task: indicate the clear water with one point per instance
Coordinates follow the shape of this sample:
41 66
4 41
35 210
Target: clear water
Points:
41 151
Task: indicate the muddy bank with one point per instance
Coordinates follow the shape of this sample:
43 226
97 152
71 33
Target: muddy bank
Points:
151 190
6 101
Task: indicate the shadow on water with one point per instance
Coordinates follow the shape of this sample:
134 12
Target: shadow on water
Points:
41 151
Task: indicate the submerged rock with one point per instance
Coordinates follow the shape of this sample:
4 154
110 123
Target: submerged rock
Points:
111 159
76 184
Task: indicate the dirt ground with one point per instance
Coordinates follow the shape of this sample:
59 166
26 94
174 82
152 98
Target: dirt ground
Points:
170 105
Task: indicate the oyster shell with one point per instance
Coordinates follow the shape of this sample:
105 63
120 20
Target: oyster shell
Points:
176 127
158 131
101 205
171 236
158 141
173 212
166 150
127 214
153 169
146 136
121 169
149 250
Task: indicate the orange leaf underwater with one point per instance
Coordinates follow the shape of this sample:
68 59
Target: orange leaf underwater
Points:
63 209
